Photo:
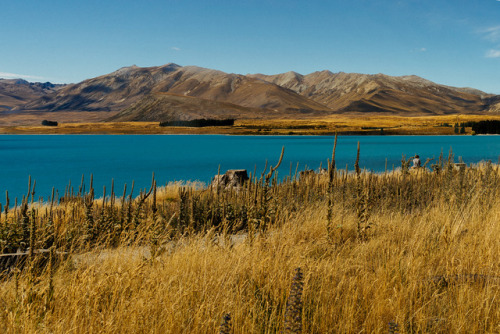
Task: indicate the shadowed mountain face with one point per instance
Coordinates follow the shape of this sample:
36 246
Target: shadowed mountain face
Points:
17 92
494 104
173 92
165 107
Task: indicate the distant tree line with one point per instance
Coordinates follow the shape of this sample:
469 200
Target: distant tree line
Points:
460 128
49 123
486 127
198 123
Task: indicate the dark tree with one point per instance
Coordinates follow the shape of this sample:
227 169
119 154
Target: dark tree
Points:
486 127
462 128
49 123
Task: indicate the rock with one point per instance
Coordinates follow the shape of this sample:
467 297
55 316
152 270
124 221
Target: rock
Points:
233 178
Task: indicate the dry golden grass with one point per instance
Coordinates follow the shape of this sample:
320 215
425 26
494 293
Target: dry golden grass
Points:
348 124
26 119
364 124
354 288
428 264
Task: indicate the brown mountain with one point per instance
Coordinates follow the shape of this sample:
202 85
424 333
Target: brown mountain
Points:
17 92
494 104
167 106
112 92
333 93
408 95
174 92
122 89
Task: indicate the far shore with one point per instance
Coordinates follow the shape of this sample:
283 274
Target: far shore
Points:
341 124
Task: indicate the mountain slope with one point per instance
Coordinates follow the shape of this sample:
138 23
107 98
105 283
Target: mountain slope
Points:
171 91
166 106
112 92
494 104
352 92
123 88
17 92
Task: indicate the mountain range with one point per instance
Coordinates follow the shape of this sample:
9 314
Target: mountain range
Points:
17 92
173 92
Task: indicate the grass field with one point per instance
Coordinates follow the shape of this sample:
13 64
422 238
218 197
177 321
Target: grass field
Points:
400 252
346 124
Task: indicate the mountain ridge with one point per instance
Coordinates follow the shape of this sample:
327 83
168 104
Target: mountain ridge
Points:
161 93
382 93
17 92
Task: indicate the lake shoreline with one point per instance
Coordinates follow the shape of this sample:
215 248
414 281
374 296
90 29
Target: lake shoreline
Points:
352 125
374 126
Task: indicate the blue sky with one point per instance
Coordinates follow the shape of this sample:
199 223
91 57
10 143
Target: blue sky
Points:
453 42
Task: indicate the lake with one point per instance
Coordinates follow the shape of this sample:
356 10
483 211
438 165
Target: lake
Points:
56 160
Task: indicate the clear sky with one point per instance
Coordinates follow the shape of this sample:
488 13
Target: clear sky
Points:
452 42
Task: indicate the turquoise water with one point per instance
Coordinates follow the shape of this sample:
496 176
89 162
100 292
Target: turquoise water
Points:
55 160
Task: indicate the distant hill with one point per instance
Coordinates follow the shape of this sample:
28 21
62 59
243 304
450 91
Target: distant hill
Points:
379 93
173 92
127 86
17 92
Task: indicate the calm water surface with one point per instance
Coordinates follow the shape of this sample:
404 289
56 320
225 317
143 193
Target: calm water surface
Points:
56 160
